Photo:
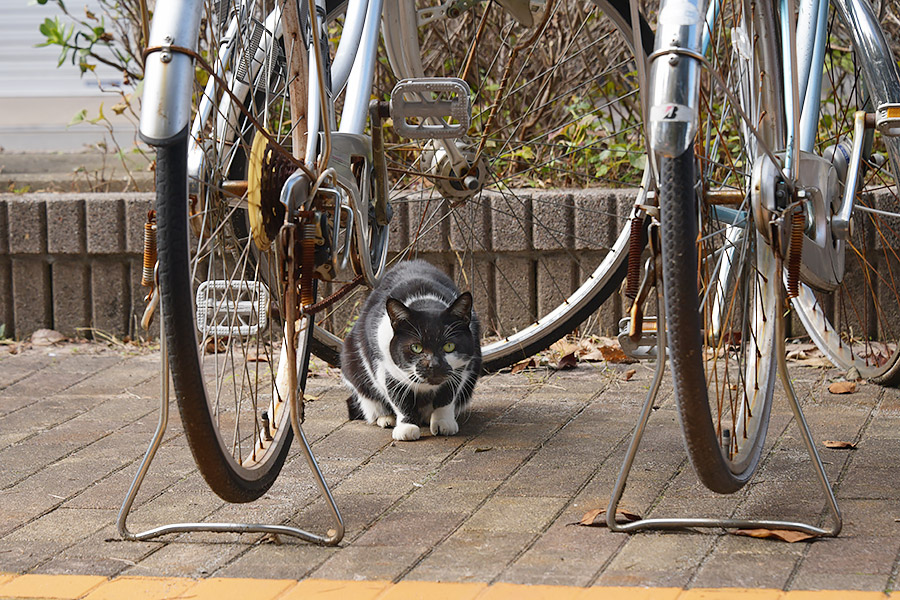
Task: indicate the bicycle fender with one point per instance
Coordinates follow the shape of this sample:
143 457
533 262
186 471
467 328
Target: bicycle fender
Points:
169 75
675 76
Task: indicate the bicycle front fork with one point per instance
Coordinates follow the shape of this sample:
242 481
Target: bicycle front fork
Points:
675 76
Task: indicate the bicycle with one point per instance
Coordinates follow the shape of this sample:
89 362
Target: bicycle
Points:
264 196
761 166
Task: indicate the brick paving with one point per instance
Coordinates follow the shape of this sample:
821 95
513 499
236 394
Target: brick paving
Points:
492 504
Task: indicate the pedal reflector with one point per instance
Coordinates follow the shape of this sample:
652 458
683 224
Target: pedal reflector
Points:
887 120
232 308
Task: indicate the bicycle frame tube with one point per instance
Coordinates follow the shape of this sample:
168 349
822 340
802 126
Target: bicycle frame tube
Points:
169 76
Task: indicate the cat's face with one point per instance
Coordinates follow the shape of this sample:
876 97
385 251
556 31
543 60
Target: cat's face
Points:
432 346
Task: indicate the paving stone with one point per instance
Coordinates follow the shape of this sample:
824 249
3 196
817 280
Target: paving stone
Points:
471 555
371 562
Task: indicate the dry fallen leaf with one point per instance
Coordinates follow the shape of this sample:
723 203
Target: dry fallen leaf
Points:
564 347
528 363
597 517
629 374
614 354
836 445
46 337
842 387
785 535
257 356
567 362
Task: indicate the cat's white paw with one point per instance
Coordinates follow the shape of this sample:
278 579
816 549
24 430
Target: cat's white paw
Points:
443 421
406 432
386 421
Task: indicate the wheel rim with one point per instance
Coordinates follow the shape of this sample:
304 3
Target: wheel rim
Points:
737 282
528 256
235 274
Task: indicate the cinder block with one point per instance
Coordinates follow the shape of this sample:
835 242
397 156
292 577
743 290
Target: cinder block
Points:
605 320
511 216
470 228
4 228
429 227
65 225
399 228
136 208
555 278
138 292
554 220
31 295
110 297
476 275
514 293
6 296
71 305
105 225
27 222
597 219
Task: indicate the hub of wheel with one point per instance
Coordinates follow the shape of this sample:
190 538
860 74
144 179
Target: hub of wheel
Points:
452 185
817 195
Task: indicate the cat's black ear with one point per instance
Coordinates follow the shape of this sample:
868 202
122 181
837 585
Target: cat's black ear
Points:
462 307
397 311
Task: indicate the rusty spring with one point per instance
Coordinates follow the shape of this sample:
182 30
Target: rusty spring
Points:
307 263
147 278
795 254
635 248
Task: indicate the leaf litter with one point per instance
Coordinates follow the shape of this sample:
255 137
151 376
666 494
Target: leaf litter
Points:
785 535
597 517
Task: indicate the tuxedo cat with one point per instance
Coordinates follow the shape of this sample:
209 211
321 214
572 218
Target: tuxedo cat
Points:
414 355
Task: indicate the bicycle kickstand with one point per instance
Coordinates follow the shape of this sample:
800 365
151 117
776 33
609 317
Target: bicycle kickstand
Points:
665 523
332 537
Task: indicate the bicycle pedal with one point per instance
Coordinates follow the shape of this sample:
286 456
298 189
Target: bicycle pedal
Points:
887 119
645 346
431 108
227 308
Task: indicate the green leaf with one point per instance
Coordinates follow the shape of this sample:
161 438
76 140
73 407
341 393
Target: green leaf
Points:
79 117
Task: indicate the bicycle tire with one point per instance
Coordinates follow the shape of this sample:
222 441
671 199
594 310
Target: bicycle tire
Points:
535 275
723 470
228 381
720 282
855 324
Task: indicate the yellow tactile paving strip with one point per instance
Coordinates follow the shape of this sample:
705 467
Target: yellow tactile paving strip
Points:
89 587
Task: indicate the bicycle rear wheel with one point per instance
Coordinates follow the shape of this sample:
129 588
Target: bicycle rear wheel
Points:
538 262
219 261
719 274
855 324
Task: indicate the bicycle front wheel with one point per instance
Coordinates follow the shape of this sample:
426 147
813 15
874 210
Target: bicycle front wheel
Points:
539 232
219 260
719 275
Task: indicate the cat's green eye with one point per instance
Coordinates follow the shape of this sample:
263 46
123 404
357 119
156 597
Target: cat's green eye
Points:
449 347
417 348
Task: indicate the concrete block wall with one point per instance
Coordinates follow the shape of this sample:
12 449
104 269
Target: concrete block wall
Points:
72 262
